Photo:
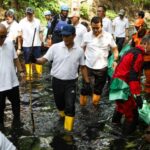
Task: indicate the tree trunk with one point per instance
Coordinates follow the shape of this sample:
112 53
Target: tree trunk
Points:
15 4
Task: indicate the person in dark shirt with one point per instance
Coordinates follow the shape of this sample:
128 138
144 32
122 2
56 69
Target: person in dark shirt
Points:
59 21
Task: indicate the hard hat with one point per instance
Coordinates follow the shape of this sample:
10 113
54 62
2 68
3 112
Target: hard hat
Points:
47 13
64 7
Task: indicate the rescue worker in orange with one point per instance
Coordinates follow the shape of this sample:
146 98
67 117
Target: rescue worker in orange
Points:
141 31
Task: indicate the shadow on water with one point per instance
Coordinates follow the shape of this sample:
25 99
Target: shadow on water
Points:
118 144
63 142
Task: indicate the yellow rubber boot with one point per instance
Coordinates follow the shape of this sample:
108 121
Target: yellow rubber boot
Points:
68 124
38 69
29 71
95 99
83 100
62 114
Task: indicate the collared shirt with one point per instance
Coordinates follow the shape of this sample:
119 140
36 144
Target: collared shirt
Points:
97 49
120 26
27 29
8 78
107 25
80 31
65 61
12 29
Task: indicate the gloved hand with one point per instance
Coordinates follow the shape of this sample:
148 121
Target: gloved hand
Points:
139 101
32 59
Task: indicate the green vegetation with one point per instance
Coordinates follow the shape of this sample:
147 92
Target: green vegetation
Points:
142 3
39 5
111 14
54 5
84 9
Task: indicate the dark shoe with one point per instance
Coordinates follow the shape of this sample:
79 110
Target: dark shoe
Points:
116 119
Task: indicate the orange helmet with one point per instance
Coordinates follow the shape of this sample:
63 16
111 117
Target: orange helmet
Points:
139 22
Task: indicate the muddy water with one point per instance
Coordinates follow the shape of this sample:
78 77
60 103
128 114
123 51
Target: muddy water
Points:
42 129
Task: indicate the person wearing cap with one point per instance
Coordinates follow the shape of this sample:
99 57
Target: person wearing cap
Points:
12 26
67 56
97 44
28 26
80 29
107 24
57 24
48 17
120 26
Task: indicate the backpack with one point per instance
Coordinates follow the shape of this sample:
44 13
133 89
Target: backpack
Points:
60 24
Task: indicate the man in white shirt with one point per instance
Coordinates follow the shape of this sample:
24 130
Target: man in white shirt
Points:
67 56
11 25
107 24
120 26
80 29
9 84
97 44
30 29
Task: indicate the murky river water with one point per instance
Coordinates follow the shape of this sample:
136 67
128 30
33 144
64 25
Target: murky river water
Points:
92 127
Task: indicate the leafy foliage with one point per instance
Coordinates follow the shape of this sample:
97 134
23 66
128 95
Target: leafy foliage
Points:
39 5
142 2
84 9
111 14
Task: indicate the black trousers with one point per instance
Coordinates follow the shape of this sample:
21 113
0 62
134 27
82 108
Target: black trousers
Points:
120 41
65 95
97 79
14 97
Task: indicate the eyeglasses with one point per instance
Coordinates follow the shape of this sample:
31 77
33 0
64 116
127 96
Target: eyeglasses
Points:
3 36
